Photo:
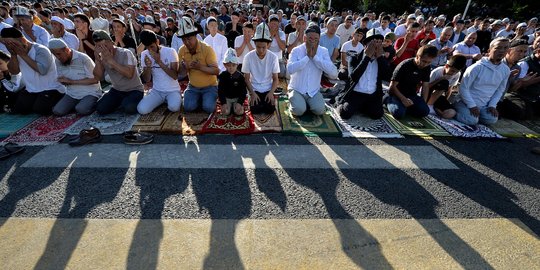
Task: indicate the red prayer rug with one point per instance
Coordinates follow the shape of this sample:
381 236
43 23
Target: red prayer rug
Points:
230 124
44 130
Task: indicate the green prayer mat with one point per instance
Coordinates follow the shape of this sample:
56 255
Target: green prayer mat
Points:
510 128
11 123
307 124
422 127
533 124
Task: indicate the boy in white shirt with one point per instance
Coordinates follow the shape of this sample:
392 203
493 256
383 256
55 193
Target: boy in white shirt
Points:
217 41
261 70
160 64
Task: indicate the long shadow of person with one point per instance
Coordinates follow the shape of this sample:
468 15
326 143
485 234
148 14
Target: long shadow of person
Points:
86 189
225 194
484 190
22 182
156 186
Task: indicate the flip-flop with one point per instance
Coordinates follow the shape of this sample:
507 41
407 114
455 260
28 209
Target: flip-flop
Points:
10 149
138 138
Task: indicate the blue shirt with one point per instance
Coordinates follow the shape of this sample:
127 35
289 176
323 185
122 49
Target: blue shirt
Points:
329 43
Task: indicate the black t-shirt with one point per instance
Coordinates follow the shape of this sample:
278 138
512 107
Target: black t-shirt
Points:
231 35
289 28
409 77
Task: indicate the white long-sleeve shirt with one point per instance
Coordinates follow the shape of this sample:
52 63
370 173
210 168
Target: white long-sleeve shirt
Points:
219 44
484 83
306 72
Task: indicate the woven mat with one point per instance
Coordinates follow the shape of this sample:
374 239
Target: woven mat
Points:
267 122
10 123
184 123
230 124
422 127
510 128
307 124
114 123
43 131
533 125
458 129
153 121
360 126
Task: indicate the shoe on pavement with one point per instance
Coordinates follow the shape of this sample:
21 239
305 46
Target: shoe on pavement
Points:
86 136
10 149
138 138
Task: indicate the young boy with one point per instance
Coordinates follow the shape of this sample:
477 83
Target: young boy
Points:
10 84
261 69
232 88
443 80
388 46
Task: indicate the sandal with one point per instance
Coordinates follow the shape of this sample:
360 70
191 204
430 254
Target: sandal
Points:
10 149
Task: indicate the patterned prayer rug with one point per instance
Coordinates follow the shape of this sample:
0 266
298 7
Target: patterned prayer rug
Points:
43 131
267 122
458 129
307 124
114 123
152 122
360 126
510 128
230 124
10 123
423 127
184 123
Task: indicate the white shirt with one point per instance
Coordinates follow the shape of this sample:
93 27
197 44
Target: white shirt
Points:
42 36
503 33
160 80
464 49
71 40
400 30
384 31
437 73
348 47
219 44
81 67
261 70
46 79
274 47
368 82
99 24
343 33
306 72
238 41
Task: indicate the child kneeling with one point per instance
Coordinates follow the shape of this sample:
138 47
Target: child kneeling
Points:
232 89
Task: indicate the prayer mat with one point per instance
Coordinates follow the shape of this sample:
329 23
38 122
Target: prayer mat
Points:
10 123
152 122
283 84
307 124
458 129
44 131
184 123
423 127
230 124
267 122
510 128
110 124
533 124
359 126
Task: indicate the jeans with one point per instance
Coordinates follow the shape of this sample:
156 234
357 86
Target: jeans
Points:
398 110
114 99
464 115
194 96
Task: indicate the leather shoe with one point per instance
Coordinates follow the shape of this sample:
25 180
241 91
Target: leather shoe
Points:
86 136
137 138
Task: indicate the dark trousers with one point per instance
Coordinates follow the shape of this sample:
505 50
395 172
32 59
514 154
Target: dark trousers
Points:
369 104
515 108
114 99
7 99
262 106
41 103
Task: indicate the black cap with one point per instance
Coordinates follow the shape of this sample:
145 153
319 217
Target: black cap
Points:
518 42
11 32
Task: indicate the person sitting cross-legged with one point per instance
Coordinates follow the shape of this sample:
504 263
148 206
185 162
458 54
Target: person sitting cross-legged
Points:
306 65
160 65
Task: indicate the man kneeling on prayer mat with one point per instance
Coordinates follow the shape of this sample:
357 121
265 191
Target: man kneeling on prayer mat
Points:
261 70
364 90
232 88
306 63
